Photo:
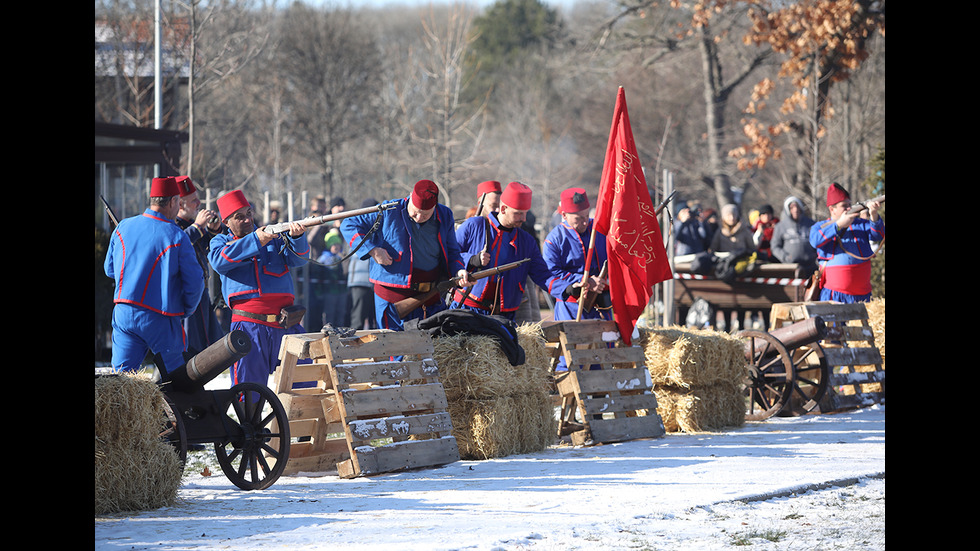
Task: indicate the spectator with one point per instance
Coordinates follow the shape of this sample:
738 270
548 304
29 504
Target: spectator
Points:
690 234
709 219
332 289
163 282
360 289
732 235
762 229
791 237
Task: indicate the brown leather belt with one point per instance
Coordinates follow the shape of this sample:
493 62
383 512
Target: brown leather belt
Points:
269 318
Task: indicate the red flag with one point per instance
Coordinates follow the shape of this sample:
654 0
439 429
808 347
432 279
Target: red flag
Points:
626 216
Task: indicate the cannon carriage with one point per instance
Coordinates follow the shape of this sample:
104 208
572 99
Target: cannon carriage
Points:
246 423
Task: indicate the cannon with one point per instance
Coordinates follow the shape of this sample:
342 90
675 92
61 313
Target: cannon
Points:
786 371
246 423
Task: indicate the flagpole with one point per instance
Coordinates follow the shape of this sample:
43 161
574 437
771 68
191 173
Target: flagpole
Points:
585 274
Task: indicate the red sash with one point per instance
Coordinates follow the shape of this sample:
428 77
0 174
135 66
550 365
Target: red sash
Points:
851 279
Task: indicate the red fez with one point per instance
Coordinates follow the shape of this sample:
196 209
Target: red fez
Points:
230 202
425 195
574 200
490 186
517 196
164 187
836 194
185 185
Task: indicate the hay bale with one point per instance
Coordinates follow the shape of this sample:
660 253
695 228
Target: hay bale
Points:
700 409
496 408
685 358
134 469
876 319
697 377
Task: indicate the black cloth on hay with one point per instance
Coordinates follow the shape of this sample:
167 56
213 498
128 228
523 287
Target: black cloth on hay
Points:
454 322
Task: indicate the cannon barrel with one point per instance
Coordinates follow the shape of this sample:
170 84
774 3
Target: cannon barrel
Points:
792 336
210 362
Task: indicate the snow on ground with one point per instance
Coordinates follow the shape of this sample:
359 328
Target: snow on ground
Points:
813 482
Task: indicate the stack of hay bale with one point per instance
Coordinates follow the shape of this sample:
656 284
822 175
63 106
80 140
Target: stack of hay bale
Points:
698 377
496 408
135 470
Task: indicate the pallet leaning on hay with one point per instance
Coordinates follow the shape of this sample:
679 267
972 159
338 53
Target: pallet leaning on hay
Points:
607 392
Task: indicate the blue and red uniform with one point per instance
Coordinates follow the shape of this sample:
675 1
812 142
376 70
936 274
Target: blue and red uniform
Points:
500 294
564 253
420 255
159 281
845 255
256 281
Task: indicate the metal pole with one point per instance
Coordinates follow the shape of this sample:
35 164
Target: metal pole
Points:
668 316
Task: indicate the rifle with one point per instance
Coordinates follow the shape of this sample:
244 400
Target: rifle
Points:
406 305
858 207
588 299
663 203
108 211
283 227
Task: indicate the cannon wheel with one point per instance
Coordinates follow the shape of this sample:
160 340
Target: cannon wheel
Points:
812 376
173 431
770 376
254 454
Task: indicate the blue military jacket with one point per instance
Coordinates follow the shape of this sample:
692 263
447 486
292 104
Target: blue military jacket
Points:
395 236
564 253
154 265
250 270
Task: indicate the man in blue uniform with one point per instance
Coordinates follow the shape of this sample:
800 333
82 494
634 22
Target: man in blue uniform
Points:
413 249
564 252
201 225
495 239
254 268
158 282
843 244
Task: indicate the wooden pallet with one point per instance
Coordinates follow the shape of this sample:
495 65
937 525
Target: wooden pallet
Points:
388 415
614 403
857 374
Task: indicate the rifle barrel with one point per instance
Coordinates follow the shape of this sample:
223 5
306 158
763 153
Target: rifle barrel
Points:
317 220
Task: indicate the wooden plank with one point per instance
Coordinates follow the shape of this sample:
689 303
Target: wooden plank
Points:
852 356
386 371
619 404
841 401
309 406
410 454
299 344
392 400
380 345
622 429
363 430
856 378
606 356
311 372
318 463
584 331
605 380
834 312
282 379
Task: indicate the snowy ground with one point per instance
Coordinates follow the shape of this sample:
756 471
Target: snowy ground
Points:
811 482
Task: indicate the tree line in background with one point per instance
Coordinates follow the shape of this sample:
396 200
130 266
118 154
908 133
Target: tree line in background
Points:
743 101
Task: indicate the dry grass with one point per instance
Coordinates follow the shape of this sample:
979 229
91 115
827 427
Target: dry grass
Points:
134 469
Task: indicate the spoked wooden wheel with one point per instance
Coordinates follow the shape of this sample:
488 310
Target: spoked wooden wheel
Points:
810 385
770 377
254 453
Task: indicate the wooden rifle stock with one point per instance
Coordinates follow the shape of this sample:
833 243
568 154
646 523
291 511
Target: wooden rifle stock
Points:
586 299
317 220
406 305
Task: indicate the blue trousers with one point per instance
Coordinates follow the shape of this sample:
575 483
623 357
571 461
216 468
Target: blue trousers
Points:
202 327
263 358
137 330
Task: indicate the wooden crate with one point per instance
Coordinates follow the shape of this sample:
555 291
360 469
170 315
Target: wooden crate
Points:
857 374
614 403
374 406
